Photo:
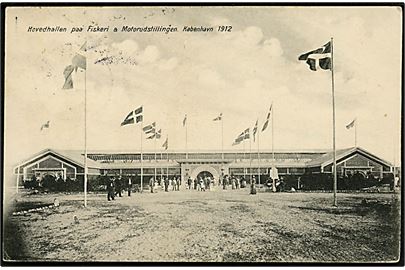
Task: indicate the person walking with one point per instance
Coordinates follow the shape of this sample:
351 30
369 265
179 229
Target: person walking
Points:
151 184
110 189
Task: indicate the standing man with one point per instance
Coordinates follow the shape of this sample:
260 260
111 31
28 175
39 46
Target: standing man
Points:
167 184
129 186
151 184
178 183
253 186
174 184
110 189
119 186
189 182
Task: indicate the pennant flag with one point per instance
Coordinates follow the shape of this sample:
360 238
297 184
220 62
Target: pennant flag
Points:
129 119
266 123
255 130
349 126
165 145
184 120
46 125
158 134
150 128
219 118
239 139
139 115
247 134
78 61
155 134
319 58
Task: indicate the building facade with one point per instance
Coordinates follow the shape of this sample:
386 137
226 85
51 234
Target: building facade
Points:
67 164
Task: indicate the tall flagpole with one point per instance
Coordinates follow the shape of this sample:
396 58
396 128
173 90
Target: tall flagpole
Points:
154 146
160 166
222 138
141 154
18 178
244 156
272 149
186 124
258 155
85 136
250 156
167 155
334 132
355 133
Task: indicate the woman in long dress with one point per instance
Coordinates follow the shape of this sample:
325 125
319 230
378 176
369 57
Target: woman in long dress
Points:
202 184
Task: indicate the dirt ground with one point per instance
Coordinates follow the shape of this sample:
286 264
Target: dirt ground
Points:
212 226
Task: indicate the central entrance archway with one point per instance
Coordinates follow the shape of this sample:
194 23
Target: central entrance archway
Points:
205 170
204 174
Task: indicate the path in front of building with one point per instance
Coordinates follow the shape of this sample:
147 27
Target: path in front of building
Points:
218 226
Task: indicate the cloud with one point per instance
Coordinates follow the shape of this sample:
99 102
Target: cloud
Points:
127 47
149 55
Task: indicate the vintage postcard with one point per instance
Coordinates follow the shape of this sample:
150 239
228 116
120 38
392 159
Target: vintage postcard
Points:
202 134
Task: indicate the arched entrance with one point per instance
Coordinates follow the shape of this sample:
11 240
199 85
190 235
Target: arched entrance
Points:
204 174
204 170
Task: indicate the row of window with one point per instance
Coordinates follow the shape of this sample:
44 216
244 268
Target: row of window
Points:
177 156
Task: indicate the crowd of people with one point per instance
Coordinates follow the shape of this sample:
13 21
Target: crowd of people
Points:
117 185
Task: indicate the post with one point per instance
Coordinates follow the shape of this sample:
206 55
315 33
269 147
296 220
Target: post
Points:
258 156
186 164
222 138
85 137
18 179
250 156
334 132
161 169
154 146
355 133
272 150
167 155
185 124
141 155
244 157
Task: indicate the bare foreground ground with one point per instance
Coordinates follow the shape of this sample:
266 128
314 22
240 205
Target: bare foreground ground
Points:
215 226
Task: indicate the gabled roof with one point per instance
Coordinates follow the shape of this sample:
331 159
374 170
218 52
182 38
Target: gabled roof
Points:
327 158
73 156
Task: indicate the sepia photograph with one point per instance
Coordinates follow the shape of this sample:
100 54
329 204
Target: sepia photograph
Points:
202 134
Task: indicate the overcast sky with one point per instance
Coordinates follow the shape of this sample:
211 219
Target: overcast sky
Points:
203 74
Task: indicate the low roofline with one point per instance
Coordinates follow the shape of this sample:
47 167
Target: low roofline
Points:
352 150
55 152
204 151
